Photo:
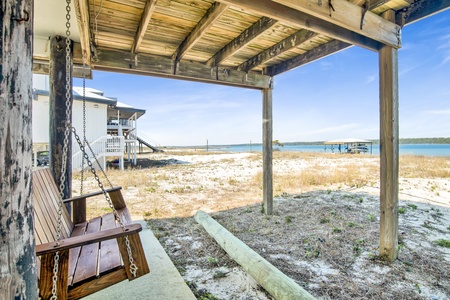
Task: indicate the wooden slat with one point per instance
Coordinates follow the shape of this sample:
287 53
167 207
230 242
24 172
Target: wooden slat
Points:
78 230
97 284
138 255
82 12
288 43
46 200
51 200
294 18
46 275
348 15
125 216
143 24
87 265
109 250
242 40
42 227
216 10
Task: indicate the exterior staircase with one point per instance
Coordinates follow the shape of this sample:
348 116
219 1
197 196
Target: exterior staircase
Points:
103 147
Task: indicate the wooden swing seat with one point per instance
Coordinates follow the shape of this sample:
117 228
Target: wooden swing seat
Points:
93 254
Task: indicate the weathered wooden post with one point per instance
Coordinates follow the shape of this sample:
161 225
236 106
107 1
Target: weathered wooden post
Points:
267 151
18 276
389 126
58 112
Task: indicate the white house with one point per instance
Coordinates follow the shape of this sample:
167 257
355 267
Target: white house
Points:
111 126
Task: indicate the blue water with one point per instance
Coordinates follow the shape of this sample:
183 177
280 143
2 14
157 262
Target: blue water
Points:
414 149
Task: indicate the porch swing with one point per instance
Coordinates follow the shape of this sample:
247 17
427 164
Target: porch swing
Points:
80 257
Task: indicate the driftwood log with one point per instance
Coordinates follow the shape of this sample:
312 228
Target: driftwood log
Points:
269 277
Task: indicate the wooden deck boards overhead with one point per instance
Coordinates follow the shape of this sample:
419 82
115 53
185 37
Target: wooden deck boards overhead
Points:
256 37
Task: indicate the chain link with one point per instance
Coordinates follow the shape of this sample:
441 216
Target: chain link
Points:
133 267
84 122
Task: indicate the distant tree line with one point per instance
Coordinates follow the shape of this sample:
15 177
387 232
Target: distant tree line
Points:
439 140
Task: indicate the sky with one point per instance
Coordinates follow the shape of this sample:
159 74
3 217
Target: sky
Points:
335 97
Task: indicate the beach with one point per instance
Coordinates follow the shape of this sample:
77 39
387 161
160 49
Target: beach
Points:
325 227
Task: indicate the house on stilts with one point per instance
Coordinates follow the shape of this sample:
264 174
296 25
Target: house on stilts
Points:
112 126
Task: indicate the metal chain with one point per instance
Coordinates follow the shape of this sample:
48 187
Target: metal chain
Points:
133 267
64 154
84 122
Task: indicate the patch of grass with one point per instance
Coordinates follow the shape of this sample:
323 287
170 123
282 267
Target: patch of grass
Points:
371 217
402 210
219 274
412 206
351 224
288 219
213 261
337 230
443 243
324 220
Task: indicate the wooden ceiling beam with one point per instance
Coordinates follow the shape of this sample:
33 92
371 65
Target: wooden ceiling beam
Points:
160 66
350 16
242 40
213 13
142 29
290 16
288 43
310 56
78 71
419 10
82 13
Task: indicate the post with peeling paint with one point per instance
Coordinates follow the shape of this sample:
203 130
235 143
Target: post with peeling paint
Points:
18 276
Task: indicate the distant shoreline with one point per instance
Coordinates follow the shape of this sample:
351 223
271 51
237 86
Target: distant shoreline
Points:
402 141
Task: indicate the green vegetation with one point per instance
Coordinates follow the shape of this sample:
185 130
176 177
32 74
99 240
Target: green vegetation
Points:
443 243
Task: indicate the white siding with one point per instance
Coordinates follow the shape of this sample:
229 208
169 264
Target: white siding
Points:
41 119
95 119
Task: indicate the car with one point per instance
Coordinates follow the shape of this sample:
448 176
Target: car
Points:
43 158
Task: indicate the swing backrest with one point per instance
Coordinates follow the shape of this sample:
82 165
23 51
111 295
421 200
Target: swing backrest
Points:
45 200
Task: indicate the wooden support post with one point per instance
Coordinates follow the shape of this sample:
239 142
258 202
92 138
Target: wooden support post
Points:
267 151
275 282
389 127
58 112
18 278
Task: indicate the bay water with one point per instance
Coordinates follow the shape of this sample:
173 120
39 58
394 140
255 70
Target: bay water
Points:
413 149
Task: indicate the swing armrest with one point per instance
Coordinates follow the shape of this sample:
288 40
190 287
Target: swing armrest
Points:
81 197
87 239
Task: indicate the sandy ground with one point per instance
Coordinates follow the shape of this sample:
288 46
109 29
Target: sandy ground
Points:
323 236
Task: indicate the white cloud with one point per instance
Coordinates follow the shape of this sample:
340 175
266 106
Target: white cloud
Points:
438 112
371 78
